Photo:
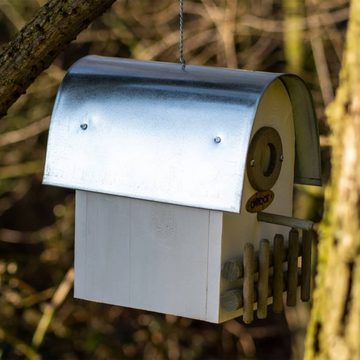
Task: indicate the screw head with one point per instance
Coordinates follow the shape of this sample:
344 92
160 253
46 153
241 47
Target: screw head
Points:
252 163
217 140
281 157
84 126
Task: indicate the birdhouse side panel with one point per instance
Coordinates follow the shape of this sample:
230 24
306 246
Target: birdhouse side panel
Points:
148 255
170 259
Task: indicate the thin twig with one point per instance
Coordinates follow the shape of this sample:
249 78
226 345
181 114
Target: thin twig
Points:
308 23
19 345
49 311
322 70
20 170
35 128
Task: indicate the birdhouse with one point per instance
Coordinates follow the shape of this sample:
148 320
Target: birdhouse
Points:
184 185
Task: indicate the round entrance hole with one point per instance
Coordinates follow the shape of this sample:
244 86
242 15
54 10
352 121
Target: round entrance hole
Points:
264 158
268 159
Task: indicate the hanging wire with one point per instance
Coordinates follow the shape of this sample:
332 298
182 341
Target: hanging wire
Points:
181 34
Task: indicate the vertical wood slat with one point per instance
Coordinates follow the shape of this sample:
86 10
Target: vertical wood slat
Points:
278 283
248 289
280 280
263 281
292 275
306 265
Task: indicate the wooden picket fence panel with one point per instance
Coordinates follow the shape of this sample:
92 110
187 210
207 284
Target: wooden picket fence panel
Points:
268 273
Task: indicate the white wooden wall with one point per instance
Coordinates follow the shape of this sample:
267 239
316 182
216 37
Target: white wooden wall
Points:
148 255
275 111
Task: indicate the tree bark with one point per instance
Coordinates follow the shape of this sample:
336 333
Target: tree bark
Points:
36 46
334 329
294 11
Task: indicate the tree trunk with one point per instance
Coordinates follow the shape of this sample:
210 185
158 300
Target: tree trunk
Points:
40 41
334 329
294 11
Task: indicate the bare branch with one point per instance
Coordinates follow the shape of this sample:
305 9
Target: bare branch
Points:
40 41
25 133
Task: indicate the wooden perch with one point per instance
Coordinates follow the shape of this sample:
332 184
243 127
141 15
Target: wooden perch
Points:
40 41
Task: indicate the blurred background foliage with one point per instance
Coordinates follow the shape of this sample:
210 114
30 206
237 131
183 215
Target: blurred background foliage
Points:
39 318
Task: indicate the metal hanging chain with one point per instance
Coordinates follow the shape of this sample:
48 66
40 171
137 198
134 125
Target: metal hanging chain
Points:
181 34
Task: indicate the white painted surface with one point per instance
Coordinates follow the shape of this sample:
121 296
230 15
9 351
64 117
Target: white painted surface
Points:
102 247
148 255
274 110
214 266
167 258
169 250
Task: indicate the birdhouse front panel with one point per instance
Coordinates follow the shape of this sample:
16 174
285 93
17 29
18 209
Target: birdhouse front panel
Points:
274 112
171 168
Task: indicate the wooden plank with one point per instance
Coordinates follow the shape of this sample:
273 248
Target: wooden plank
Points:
263 282
249 291
285 220
232 300
278 285
232 269
306 265
292 277
228 296
102 248
80 245
214 267
169 259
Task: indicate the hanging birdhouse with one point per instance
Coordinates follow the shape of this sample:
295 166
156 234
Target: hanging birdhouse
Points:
184 185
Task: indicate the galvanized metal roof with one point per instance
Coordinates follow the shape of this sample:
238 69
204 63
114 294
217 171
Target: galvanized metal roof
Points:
146 130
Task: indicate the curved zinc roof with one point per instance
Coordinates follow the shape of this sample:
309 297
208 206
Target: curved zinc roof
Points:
146 130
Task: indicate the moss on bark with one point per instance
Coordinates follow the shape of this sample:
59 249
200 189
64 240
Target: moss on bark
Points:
334 329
